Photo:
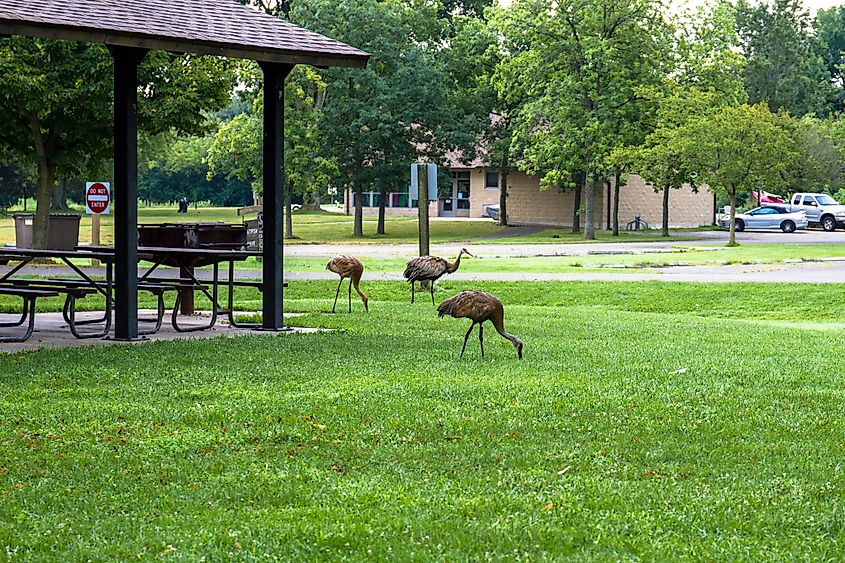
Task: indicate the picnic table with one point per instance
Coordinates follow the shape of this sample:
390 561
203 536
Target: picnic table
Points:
187 259
30 289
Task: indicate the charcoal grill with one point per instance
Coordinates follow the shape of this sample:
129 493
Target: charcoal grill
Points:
205 235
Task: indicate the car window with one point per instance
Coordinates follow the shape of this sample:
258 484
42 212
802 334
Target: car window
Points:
825 200
809 200
796 200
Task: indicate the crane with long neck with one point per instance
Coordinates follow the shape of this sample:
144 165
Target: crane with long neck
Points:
430 269
479 307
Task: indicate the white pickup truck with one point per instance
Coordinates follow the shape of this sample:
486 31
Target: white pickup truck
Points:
821 209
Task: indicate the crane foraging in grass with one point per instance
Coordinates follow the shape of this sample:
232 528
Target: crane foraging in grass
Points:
479 307
352 268
431 269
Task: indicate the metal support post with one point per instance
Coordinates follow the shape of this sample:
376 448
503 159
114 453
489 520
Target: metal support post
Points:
126 61
274 194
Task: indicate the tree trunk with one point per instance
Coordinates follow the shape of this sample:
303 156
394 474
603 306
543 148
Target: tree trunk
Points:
665 230
732 237
43 201
503 198
59 202
715 208
382 205
318 203
359 212
608 199
617 178
589 205
289 210
576 212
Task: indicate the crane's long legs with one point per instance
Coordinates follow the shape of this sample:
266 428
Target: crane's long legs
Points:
481 337
350 295
467 338
412 292
336 294
431 286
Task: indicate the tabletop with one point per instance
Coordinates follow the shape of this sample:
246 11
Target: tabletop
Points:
206 253
21 253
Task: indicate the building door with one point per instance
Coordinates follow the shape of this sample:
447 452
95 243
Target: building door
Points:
458 196
448 205
461 187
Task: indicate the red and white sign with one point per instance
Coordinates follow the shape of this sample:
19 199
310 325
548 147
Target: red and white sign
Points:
97 198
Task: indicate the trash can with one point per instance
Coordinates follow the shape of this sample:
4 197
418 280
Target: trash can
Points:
63 233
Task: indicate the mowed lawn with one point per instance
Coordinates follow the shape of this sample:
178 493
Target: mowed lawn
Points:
309 227
660 257
647 421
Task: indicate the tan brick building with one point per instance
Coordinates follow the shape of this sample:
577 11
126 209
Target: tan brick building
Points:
473 190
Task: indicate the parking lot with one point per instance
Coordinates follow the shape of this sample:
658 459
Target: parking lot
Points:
803 236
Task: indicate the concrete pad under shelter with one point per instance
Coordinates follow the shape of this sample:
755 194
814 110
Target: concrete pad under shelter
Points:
51 331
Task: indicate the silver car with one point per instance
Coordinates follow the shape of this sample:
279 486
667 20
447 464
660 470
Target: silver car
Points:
768 218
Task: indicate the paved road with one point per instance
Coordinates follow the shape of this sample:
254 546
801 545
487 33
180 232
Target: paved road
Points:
806 236
700 238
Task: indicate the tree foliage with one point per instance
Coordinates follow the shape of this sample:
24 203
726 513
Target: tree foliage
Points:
402 107
236 151
783 68
60 96
178 168
737 149
582 64
829 29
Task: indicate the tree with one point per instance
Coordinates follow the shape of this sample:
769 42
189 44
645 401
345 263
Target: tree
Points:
783 68
401 107
583 64
236 151
660 160
476 54
13 184
735 150
59 96
829 28
180 169
707 75
820 161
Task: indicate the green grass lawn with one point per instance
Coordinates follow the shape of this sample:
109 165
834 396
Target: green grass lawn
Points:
647 421
687 255
309 227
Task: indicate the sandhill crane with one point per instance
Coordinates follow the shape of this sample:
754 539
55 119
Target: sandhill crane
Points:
479 306
431 268
352 268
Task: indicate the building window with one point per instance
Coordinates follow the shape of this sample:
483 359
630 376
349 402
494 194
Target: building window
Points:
394 199
491 181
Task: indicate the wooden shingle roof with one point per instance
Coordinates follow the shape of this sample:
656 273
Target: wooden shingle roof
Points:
211 27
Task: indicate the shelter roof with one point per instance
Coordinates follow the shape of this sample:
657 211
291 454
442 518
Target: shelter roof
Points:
211 27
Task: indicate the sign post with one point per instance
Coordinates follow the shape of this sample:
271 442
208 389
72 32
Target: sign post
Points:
422 204
424 188
97 202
